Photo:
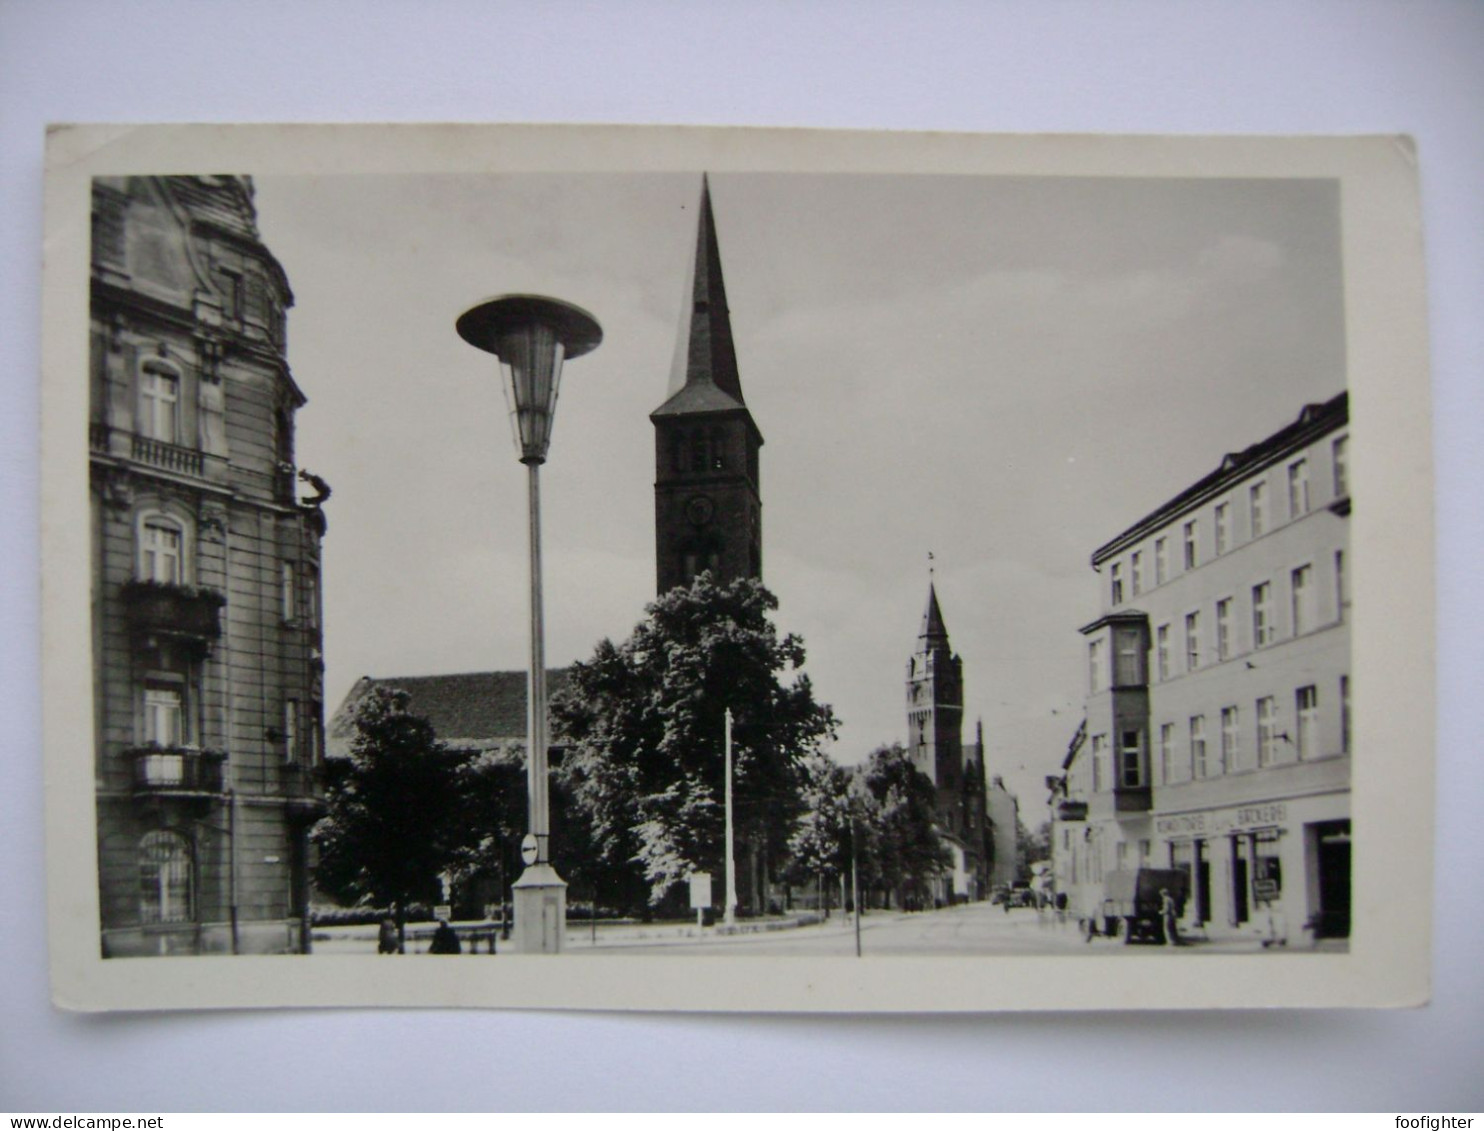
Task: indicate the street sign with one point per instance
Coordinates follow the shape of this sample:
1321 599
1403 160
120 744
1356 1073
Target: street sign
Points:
700 890
530 847
443 911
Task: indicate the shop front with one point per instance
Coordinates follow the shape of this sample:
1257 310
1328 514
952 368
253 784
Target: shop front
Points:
1275 871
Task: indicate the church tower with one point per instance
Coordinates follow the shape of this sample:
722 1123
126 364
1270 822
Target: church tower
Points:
935 715
707 499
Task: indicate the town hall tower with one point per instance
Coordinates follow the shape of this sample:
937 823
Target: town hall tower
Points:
935 718
935 713
707 496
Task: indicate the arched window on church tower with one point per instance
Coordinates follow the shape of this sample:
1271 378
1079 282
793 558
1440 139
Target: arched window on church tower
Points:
677 452
718 450
698 454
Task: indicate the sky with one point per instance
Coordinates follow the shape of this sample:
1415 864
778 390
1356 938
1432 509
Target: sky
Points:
1002 371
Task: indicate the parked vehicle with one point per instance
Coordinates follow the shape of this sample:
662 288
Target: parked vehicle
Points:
1131 903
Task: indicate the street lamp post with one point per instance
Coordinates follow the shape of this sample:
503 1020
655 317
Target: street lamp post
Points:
532 336
731 859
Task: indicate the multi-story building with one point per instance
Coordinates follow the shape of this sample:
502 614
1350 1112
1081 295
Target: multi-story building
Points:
1218 737
1002 810
207 643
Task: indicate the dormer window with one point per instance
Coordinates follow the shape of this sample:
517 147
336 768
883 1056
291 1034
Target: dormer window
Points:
159 400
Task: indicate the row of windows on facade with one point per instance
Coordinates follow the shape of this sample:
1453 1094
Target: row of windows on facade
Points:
166 722
162 558
1223 524
1303 617
159 418
1201 756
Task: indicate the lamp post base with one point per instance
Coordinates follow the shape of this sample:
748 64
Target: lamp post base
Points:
540 911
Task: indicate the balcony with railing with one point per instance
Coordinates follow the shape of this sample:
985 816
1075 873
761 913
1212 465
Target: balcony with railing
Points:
176 771
160 612
167 457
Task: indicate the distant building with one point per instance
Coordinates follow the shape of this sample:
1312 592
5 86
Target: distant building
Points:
205 578
935 716
1004 827
708 508
483 711
1218 737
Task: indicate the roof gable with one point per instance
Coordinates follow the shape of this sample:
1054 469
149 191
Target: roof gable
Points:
472 709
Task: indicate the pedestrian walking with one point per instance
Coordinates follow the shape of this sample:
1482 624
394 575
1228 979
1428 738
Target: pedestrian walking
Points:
1167 913
387 941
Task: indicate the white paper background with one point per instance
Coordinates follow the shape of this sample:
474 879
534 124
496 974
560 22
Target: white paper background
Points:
1131 67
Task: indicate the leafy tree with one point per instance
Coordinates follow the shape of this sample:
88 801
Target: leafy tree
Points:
493 819
393 822
820 845
1030 847
642 723
902 845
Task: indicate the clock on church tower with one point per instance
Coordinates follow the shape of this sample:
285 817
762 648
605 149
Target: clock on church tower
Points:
707 497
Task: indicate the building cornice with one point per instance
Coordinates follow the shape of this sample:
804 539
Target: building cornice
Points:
1313 422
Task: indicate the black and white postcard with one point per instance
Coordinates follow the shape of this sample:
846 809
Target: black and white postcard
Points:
701 569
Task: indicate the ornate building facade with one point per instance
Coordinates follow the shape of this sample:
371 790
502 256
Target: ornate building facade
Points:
707 491
206 608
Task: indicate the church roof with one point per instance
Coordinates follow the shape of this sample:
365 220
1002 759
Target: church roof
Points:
468 710
704 375
933 627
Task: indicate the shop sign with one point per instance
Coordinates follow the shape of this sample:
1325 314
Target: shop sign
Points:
1217 821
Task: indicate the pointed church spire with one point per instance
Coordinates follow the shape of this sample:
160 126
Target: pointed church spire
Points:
933 628
705 356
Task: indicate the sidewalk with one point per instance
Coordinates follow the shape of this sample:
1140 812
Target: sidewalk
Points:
362 939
